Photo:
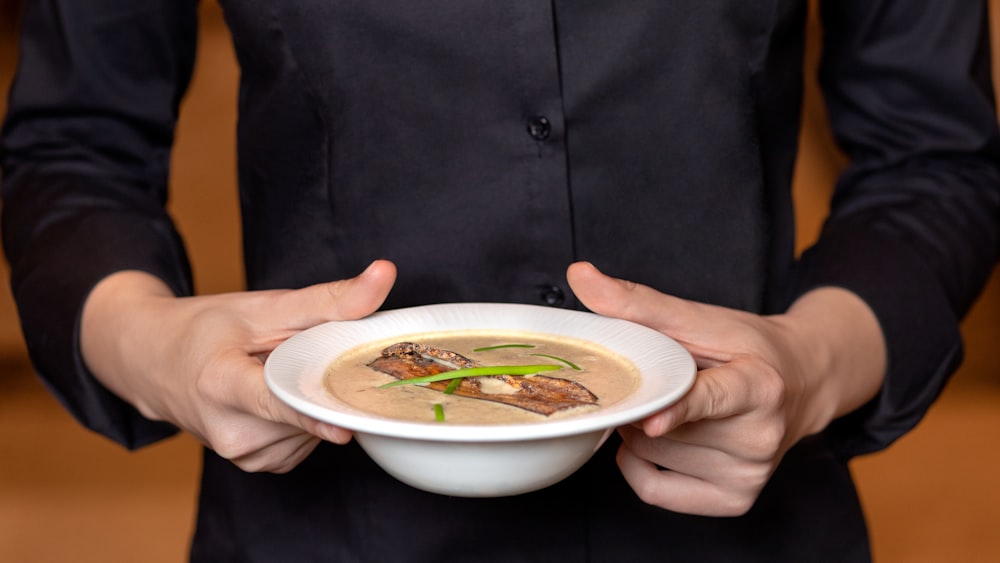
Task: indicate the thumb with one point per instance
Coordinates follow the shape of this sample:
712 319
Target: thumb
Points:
613 297
341 300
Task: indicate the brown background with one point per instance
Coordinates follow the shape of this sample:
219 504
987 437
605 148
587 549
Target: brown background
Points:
68 495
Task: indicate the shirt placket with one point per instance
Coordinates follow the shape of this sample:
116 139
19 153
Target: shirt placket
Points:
545 190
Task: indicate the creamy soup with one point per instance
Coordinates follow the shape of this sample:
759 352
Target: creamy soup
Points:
604 373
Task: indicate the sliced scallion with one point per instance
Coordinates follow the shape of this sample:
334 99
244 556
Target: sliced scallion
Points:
558 359
499 346
474 372
453 385
439 412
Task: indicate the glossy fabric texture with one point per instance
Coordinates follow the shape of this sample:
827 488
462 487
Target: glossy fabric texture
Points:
483 146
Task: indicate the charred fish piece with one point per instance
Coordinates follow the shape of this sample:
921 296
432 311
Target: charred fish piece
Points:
539 393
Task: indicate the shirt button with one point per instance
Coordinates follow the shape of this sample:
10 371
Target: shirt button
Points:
553 296
539 128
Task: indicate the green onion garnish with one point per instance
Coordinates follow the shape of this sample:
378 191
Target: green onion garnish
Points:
474 372
438 412
558 359
453 385
498 346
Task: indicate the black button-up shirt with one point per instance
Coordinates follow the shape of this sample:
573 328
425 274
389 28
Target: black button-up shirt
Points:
483 146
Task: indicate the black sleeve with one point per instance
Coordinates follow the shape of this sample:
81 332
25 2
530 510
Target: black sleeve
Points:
913 228
85 154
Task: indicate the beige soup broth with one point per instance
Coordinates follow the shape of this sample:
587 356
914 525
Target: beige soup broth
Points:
606 374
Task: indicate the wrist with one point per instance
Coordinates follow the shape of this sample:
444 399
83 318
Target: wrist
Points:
841 353
112 322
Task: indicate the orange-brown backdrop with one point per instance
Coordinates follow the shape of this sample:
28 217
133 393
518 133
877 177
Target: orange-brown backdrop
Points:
68 495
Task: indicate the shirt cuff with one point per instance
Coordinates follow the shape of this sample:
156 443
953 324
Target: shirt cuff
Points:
52 274
920 327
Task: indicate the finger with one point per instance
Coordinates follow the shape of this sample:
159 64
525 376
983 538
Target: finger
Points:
270 407
677 455
717 393
240 384
336 301
676 491
280 456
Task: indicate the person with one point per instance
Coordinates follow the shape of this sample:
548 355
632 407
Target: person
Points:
633 158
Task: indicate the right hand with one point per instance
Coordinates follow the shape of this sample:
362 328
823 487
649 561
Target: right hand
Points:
197 362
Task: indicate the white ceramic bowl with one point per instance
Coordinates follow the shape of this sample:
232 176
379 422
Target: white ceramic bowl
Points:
479 460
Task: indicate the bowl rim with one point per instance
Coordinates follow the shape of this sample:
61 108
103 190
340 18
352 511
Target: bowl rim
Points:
294 369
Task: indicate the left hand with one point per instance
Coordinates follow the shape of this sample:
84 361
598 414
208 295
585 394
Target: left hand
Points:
764 382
